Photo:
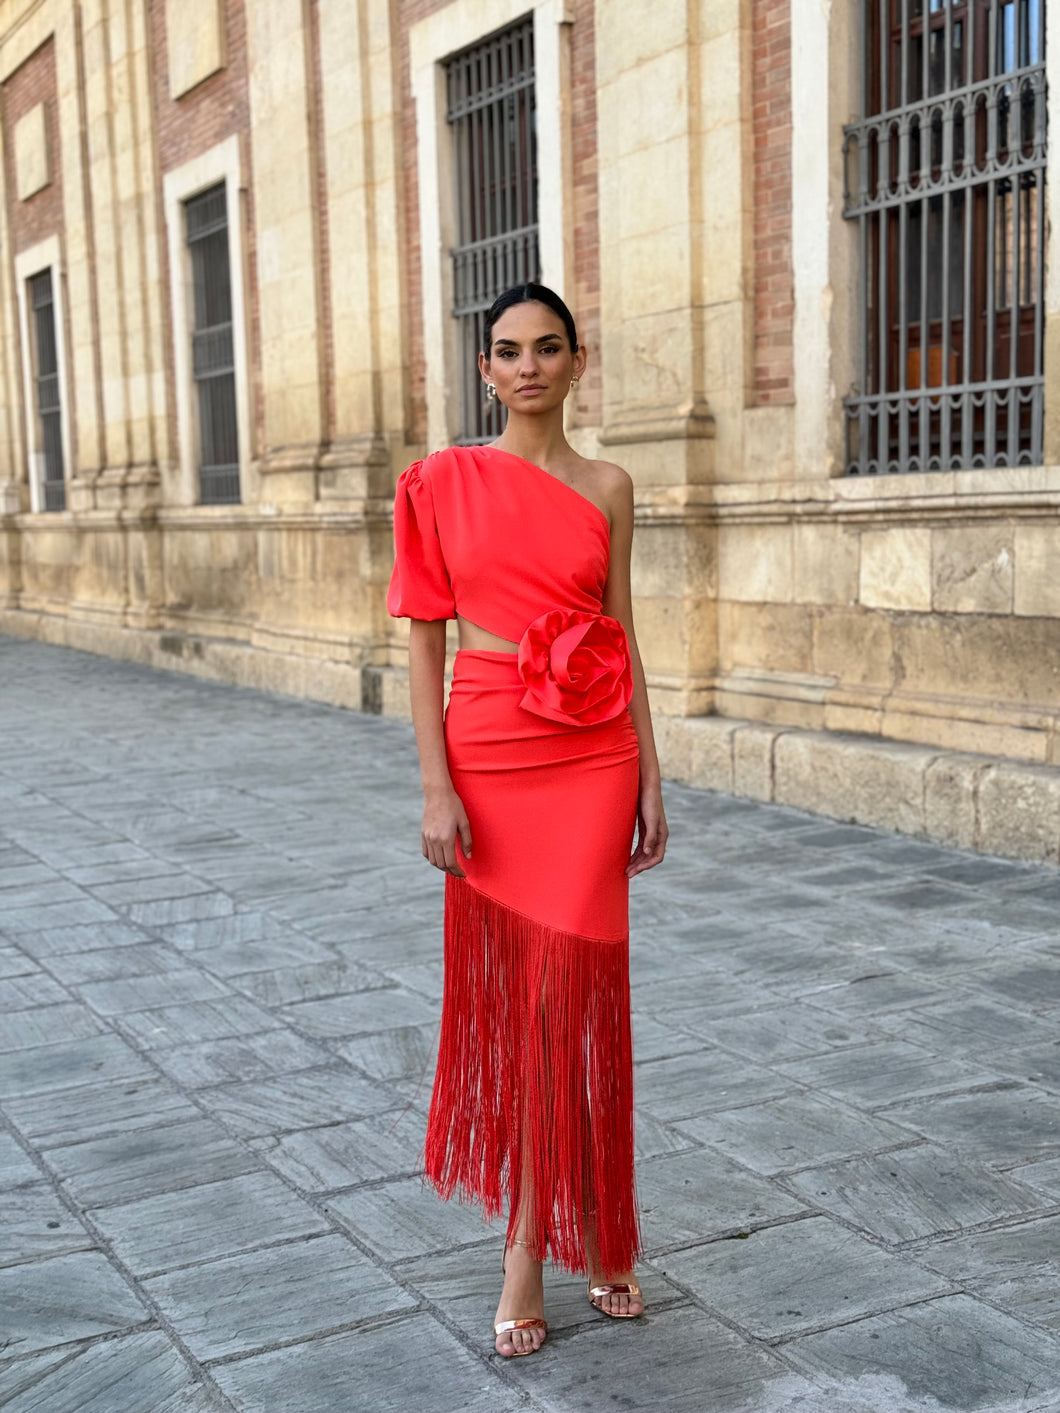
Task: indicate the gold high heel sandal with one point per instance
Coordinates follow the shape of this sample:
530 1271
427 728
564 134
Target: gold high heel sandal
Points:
529 1323
597 1292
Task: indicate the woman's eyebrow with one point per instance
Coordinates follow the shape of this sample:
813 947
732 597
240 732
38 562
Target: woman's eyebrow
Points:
544 338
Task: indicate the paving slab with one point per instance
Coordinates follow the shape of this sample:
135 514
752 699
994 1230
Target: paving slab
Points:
207 1220
912 1193
64 1064
64 1298
321 1096
800 1275
97 1110
35 1223
345 1154
255 1299
1010 1124
148 1160
407 1363
24 1030
220 963
959 1353
797 1131
1015 1266
129 1374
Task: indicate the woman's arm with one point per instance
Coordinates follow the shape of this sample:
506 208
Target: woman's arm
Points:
618 603
444 816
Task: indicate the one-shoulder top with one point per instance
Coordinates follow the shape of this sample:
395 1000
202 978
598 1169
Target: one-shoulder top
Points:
482 533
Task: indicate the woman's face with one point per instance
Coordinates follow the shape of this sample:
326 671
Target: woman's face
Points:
531 363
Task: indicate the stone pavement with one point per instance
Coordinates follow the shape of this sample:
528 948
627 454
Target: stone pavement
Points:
219 952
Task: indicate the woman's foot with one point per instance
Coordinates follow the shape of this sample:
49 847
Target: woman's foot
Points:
523 1298
618 1296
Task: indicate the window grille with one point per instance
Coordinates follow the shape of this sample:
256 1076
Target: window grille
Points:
492 115
945 177
212 352
49 405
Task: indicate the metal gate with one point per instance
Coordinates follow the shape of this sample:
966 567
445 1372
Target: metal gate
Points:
945 176
213 359
492 115
49 406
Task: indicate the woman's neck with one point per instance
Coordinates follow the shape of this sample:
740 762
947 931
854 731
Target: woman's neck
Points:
537 439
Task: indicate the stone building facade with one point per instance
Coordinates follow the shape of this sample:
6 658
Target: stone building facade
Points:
243 243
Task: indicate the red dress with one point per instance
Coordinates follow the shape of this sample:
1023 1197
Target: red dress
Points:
534 1074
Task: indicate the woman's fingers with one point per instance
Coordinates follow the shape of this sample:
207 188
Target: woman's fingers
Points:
464 830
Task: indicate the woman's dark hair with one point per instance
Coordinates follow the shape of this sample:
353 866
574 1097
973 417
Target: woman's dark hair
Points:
525 294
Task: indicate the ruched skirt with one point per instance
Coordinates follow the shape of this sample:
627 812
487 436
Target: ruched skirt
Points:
533 1096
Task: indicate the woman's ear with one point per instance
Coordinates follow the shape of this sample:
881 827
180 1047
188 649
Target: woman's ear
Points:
580 361
484 368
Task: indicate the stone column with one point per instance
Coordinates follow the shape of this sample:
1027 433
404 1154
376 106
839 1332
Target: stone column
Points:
674 206
289 286
360 151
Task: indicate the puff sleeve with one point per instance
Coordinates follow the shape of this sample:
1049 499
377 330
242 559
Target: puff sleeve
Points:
419 585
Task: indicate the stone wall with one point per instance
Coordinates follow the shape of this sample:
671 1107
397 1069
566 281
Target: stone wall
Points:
802 631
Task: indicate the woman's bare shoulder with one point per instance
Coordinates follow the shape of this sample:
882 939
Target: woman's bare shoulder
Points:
612 485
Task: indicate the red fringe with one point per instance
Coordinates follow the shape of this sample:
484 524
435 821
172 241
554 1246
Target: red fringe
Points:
535 1081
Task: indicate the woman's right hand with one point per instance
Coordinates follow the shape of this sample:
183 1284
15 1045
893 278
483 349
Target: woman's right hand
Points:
444 819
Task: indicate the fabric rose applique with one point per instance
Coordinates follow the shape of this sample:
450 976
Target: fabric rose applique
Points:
576 667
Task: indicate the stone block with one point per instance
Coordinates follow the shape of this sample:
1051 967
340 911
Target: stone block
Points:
854 647
755 564
752 761
865 781
826 562
972 568
990 659
896 568
767 639
32 167
1037 552
687 1197
710 751
195 41
1019 812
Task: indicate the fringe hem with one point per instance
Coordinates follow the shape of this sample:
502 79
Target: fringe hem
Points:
534 1087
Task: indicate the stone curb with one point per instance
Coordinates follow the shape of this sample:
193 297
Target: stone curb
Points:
967 801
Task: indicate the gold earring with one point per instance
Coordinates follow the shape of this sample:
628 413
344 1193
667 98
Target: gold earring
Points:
573 384
491 392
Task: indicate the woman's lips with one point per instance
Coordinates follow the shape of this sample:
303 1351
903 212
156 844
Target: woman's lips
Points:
531 391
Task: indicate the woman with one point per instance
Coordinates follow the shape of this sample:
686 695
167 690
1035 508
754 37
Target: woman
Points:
533 783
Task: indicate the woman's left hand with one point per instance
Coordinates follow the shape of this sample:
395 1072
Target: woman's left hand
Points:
652 832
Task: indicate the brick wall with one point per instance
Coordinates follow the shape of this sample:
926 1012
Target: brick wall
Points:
32 83
774 296
190 125
583 295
